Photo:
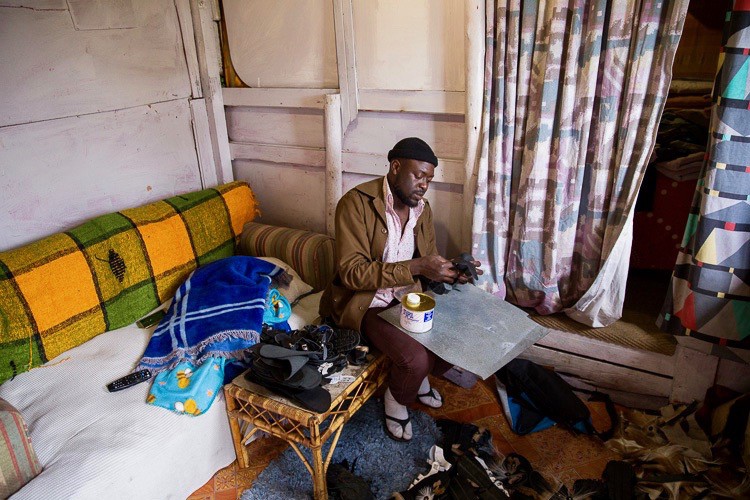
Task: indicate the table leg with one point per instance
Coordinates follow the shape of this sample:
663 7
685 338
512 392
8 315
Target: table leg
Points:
239 447
320 492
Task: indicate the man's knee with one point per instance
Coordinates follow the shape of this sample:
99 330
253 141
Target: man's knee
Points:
416 361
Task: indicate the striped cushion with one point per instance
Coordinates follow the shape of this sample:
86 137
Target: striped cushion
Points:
18 462
310 254
61 291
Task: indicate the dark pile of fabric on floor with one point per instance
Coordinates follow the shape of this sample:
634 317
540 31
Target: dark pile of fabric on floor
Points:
689 451
467 467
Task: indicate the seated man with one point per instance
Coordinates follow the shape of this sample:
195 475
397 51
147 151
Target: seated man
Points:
385 239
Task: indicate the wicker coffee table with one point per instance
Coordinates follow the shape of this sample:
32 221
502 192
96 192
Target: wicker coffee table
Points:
280 417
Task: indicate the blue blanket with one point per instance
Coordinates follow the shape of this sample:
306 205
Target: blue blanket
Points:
217 312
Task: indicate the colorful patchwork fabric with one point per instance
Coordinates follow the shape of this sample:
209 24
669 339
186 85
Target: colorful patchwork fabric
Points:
709 294
18 462
61 291
188 389
310 254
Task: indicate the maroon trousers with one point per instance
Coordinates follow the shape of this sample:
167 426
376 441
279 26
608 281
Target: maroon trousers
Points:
411 361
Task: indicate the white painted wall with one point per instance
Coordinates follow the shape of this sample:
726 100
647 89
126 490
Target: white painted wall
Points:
409 44
409 62
97 111
282 43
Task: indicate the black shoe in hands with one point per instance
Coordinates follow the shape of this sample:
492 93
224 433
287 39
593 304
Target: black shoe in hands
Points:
464 264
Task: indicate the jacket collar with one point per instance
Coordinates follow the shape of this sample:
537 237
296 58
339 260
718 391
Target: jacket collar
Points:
374 189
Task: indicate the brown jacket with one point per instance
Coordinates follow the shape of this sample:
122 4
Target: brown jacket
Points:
361 235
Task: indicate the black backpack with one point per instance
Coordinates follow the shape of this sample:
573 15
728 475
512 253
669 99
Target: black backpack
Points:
535 398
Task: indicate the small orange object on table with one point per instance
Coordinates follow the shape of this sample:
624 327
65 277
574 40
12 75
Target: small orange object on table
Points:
279 416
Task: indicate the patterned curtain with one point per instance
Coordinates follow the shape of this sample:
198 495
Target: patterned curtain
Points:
573 94
709 295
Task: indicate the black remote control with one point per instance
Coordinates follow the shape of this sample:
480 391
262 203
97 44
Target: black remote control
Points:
129 380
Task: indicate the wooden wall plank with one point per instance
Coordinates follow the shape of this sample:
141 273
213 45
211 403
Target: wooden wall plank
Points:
345 61
334 164
36 4
204 148
59 71
601 373
372 132
191 55
289 196
376 133
207 49
289 139
359 163
474 59
277 97
285 155
413 101
303 127
448 171
694 373
57 174
593 348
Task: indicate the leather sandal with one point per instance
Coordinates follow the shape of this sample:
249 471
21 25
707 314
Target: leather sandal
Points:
403 422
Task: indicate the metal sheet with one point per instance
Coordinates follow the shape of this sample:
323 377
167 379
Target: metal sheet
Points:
474 330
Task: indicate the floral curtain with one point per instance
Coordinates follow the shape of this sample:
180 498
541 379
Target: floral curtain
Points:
709 295
573 94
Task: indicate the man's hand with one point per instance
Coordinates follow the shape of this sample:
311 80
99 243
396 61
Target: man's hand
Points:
467 267
463 278
435 268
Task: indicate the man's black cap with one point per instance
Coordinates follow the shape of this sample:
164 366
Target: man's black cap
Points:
413 148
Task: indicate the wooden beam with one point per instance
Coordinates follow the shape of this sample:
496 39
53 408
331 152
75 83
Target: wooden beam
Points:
475 47
343 24
273 153
413 101
202 133
276 97
334 138
188 42
208 63
448 172
215 10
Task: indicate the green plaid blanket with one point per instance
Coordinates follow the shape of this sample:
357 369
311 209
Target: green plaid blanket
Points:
63 290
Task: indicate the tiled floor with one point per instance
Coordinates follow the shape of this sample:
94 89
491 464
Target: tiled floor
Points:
557 454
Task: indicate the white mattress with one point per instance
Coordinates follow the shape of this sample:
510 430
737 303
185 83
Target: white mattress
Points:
95 444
